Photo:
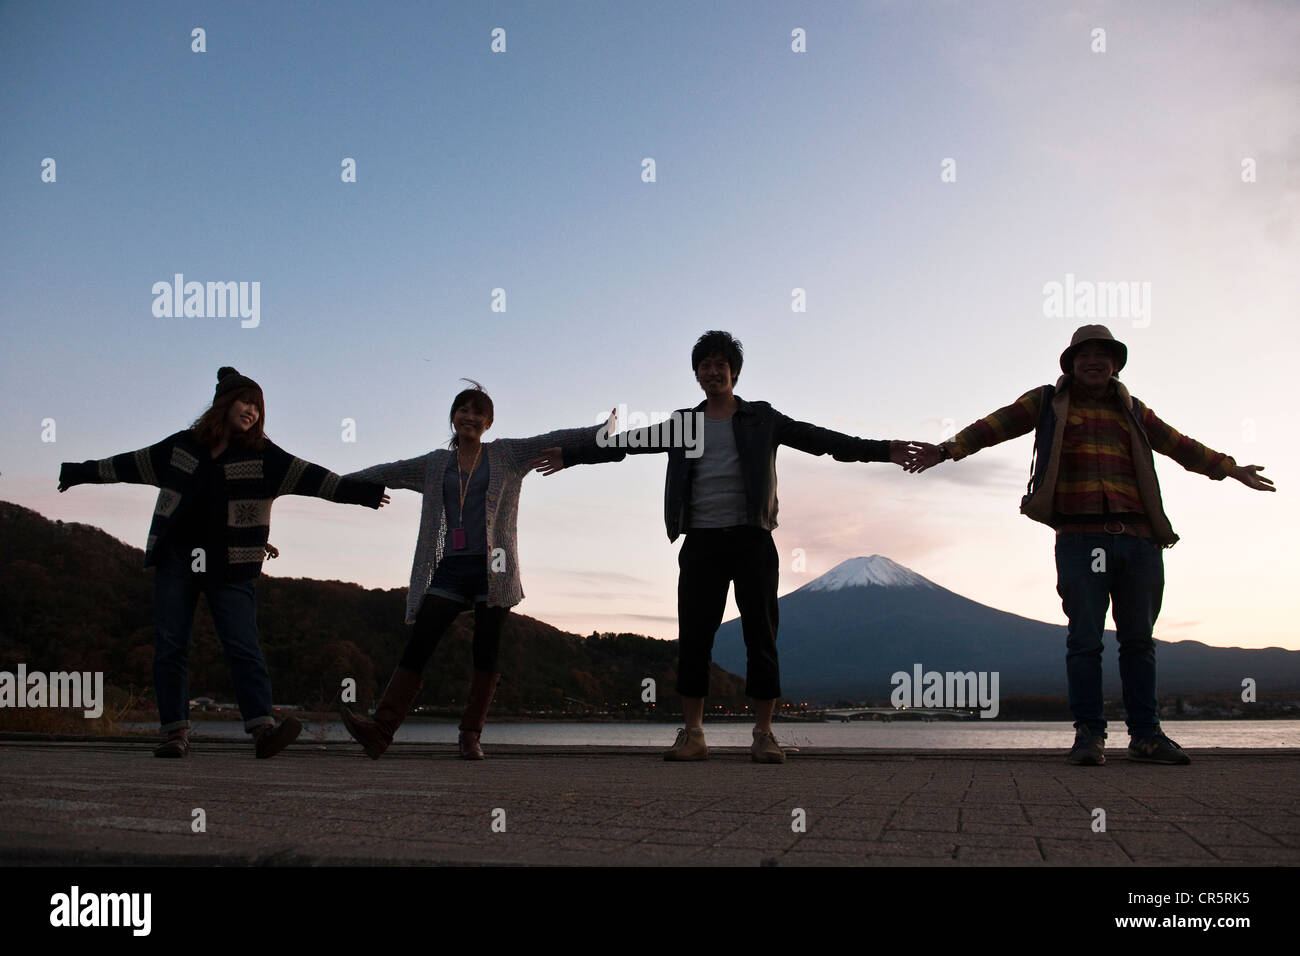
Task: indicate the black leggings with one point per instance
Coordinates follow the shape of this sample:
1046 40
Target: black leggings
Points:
436 615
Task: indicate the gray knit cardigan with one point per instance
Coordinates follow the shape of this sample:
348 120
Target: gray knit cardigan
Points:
508 460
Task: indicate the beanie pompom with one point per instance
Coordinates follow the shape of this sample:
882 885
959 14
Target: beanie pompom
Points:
224 371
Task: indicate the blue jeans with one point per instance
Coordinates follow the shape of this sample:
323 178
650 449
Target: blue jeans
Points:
234 612
1091 571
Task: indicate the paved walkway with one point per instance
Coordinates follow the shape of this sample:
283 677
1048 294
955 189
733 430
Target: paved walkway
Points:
109 801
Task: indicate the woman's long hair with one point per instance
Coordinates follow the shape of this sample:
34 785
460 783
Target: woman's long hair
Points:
211 428
478 400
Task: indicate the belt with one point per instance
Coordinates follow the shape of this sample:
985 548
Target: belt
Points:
1141 530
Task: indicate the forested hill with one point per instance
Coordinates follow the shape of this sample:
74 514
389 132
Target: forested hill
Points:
74 598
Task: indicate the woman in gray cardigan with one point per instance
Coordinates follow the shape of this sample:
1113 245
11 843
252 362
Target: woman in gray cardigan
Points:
465 556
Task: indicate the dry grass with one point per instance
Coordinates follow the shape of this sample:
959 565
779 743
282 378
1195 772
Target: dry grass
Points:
72 720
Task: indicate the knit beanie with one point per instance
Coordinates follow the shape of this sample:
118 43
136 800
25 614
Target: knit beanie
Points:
229 379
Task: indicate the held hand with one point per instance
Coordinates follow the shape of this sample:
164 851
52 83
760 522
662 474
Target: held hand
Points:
549 462
923 456
901 452
1248 476
271 550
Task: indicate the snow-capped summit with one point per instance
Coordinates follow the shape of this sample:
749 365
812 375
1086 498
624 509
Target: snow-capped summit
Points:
876 570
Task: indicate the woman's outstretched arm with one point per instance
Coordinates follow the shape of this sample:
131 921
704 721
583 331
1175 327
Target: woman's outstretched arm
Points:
142 467
407 474
290 475
525 452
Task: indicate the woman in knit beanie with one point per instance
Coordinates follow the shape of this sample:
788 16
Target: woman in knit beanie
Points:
217 480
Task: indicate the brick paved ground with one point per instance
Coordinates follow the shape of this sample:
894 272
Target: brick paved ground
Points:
109 801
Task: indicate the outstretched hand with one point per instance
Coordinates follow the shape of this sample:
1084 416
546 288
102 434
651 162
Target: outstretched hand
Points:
922 455
549 462
1249 476
901 452
384 499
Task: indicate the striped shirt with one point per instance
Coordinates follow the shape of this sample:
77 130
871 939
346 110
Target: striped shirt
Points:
1096 473
237 506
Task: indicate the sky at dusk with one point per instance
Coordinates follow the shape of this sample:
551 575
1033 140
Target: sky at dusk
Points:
880 217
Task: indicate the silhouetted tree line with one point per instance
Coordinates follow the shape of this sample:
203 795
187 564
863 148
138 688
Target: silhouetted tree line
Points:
74 598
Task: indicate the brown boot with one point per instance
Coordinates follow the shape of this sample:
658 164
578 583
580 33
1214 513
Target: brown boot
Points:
481 688
375 734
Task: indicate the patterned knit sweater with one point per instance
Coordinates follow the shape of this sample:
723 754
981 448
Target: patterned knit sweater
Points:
1096 472
248 481
508 463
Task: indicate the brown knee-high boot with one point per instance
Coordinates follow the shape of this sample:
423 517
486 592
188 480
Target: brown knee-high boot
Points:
375 734
481 688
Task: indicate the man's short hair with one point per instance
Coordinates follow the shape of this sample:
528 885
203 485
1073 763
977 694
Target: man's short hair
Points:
715 342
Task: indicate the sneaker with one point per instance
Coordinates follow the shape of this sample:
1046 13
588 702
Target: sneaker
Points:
688 746
1089 749
1157 749
177 744
765 749
269 740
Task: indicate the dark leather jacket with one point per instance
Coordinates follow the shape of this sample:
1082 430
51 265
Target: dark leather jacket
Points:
759 430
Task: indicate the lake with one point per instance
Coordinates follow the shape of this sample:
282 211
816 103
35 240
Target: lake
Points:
900 735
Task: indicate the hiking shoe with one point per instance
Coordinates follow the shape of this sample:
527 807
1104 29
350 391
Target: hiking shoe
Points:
1089 749
689 745
269 740
1157 749
177 744
765 749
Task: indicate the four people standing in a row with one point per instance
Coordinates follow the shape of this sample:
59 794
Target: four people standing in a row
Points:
1095 483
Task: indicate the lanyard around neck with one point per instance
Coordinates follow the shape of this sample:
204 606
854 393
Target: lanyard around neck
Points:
463 485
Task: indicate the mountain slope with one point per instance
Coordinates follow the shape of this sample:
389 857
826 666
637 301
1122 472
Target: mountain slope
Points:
844 634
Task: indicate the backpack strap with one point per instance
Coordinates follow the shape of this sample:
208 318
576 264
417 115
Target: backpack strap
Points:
1138 411
1042 440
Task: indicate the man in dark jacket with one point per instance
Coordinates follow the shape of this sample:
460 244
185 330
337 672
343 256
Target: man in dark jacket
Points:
1096 485
720 492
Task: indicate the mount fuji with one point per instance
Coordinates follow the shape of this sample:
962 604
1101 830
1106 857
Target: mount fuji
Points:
845 633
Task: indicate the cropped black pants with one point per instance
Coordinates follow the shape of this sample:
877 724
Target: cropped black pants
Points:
710 560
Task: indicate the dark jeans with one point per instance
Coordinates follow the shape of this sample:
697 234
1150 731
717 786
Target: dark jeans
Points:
710 559
436 615
234 612
1134 578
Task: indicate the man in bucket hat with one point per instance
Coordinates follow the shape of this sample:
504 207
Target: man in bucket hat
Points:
1094 481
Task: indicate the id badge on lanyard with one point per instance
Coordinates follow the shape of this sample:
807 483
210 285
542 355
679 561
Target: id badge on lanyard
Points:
458 542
